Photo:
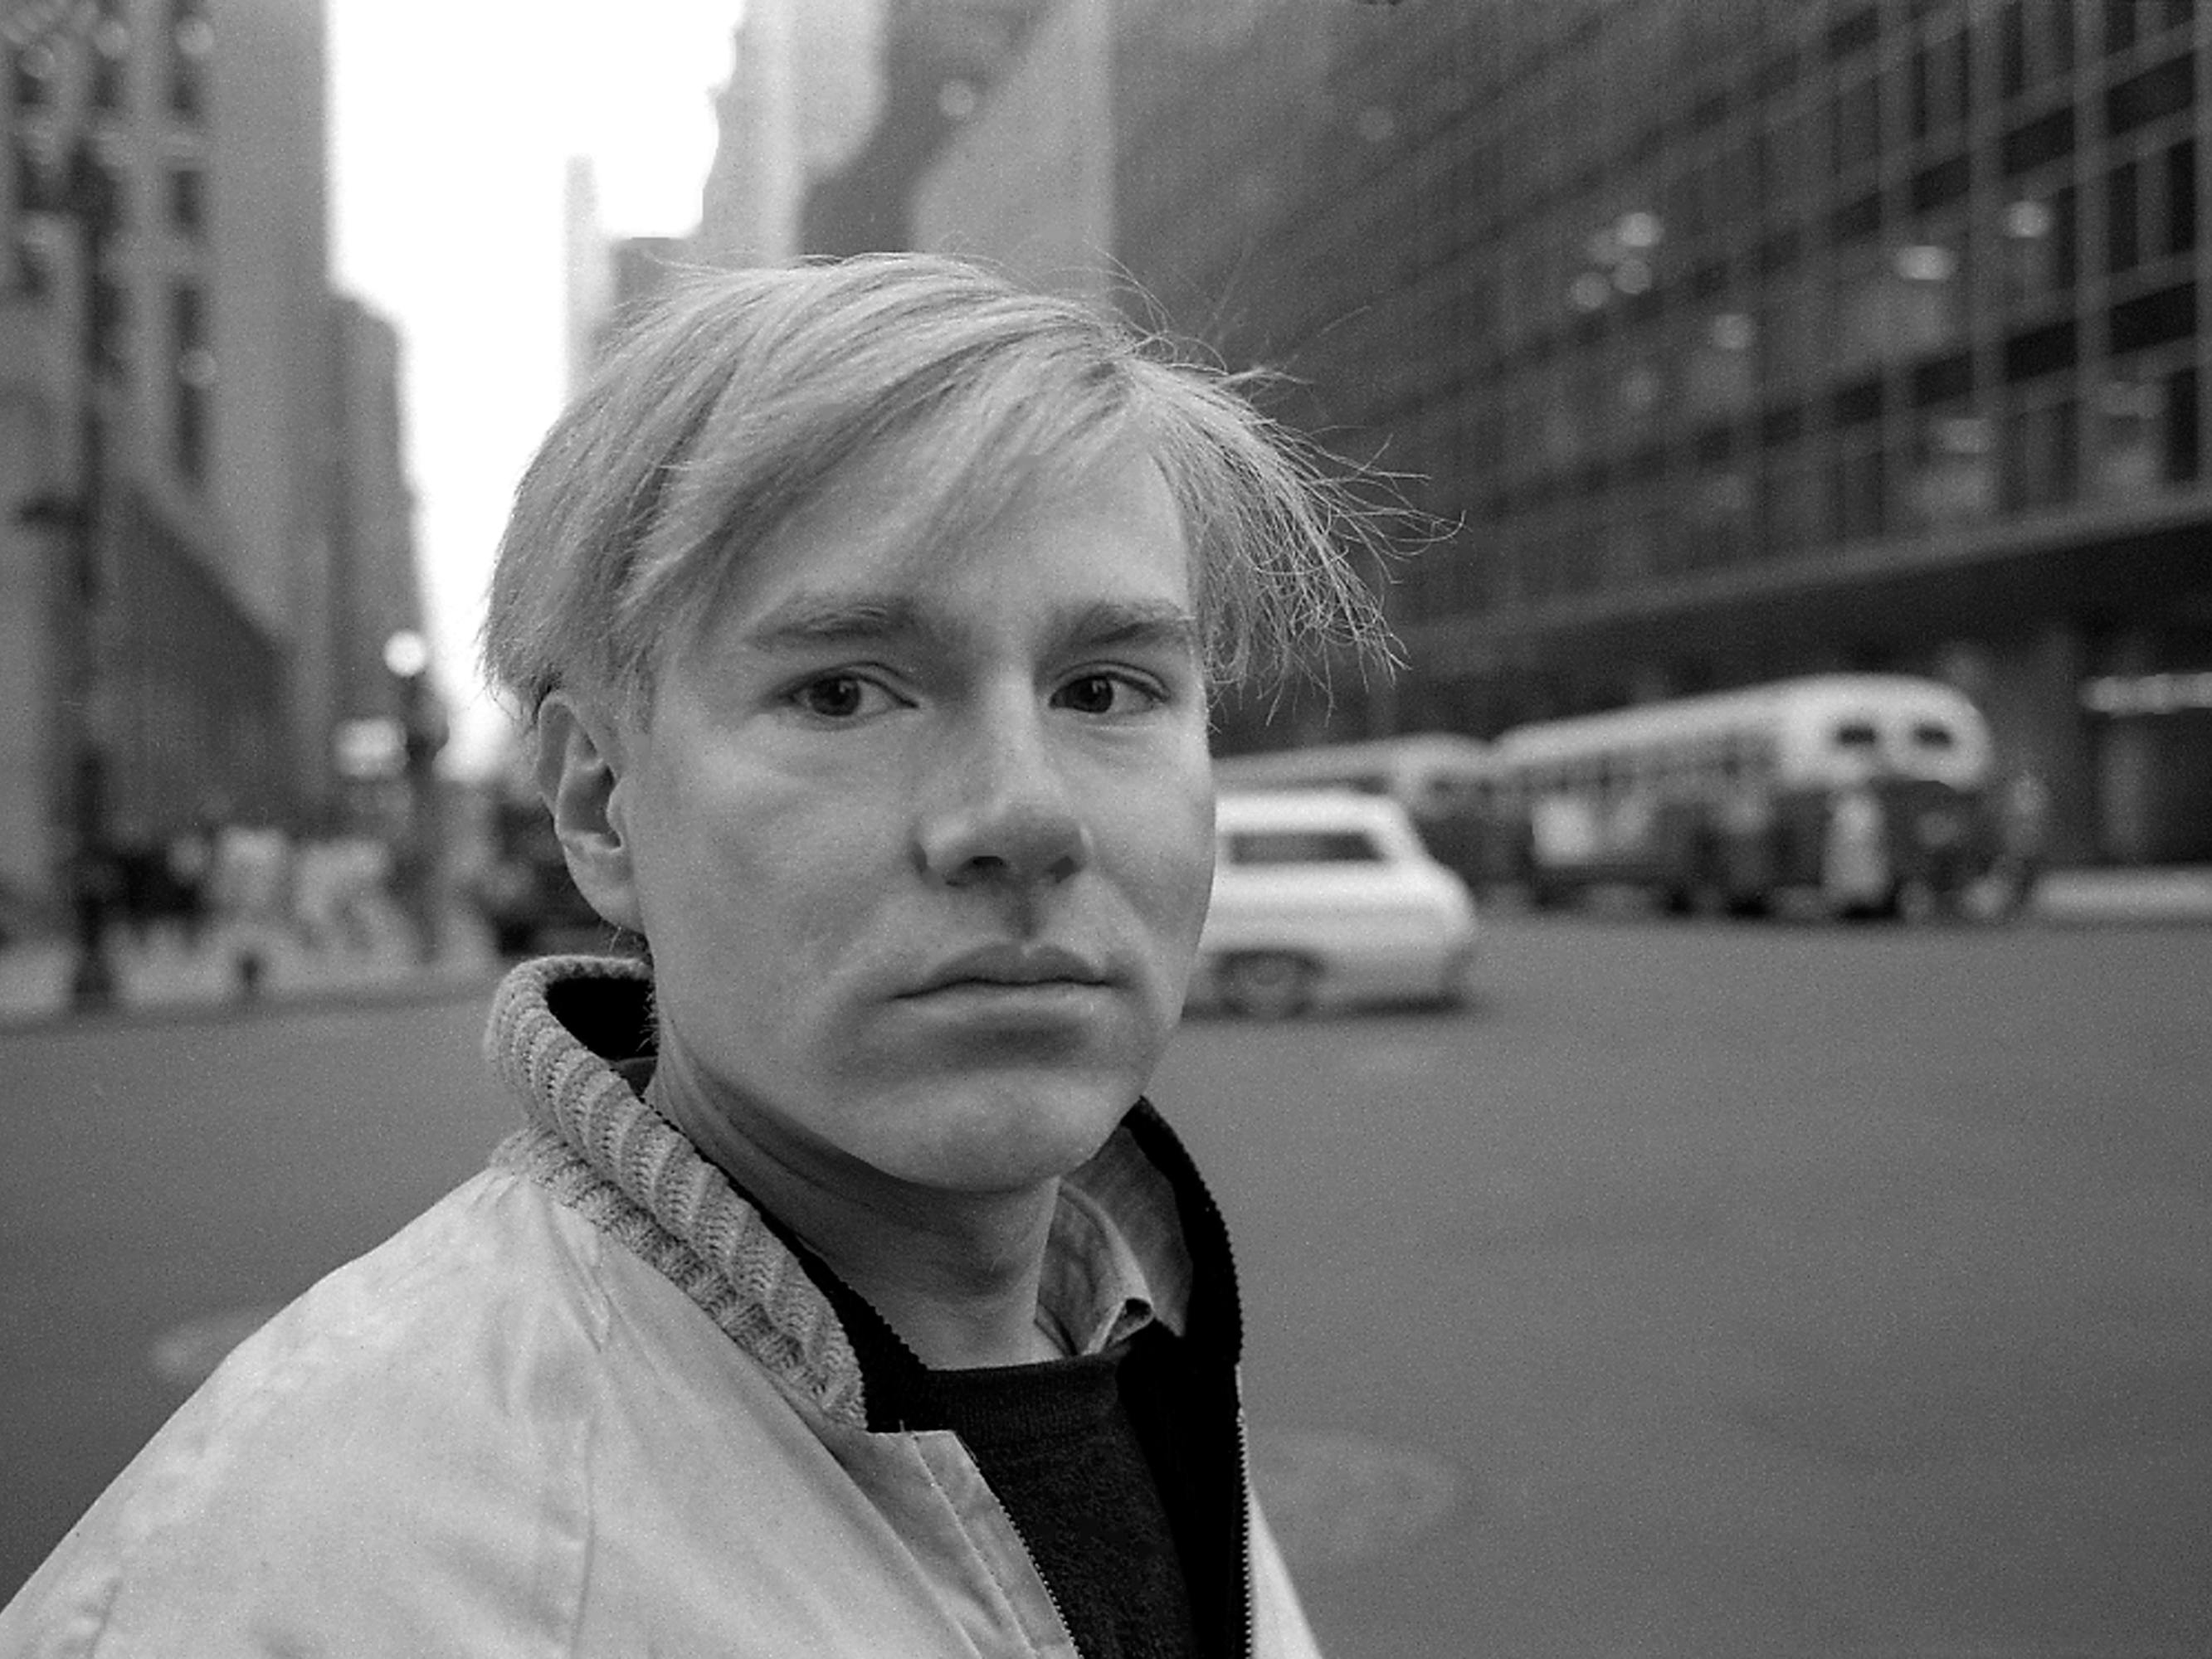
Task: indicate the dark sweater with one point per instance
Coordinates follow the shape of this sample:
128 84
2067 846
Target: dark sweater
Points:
1059 1448
1092 1458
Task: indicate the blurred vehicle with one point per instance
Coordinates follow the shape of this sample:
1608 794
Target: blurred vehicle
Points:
19 916
524 892
1445 780
1328 896
1424 772
1867 793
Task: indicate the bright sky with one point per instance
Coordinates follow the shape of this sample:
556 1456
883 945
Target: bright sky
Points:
452 122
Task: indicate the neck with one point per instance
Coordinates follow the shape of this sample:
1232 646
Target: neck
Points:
954 1273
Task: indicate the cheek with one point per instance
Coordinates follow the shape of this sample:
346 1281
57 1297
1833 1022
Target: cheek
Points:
748 872
1175 836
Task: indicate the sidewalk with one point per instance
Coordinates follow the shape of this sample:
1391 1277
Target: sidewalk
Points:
2179 893
165 977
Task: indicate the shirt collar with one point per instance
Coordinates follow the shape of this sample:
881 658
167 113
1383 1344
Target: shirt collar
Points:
1093 1288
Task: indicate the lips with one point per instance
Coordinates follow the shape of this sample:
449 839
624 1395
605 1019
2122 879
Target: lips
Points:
1014 966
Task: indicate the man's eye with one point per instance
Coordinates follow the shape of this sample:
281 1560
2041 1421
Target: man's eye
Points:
1104 694
841 697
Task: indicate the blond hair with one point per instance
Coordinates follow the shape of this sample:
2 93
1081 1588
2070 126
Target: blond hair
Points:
746 394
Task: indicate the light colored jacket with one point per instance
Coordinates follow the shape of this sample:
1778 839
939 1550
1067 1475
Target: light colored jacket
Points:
586 1404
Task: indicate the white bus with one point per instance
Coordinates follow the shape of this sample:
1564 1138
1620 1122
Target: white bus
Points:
1870 791
1427 773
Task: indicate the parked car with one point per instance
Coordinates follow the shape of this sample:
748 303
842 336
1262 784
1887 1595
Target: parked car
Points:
1329 897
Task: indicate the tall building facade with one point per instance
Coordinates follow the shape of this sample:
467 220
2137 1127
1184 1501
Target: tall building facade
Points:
939 61
169 355
805 90
1028 178
376 582
1732 338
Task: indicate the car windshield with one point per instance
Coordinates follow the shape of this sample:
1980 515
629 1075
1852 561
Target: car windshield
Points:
1301 846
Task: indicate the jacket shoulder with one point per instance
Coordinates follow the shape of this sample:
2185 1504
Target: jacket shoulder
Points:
400 1454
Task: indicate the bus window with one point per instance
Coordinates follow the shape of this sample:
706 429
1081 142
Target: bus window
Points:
1256 846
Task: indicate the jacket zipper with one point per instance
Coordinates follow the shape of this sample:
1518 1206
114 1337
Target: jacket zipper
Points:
1244 1527
1030 1552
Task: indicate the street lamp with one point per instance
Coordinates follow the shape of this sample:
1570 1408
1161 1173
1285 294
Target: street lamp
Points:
423 734
85 193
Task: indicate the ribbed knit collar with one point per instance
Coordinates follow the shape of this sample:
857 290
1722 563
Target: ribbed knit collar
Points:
597 1148
558 1026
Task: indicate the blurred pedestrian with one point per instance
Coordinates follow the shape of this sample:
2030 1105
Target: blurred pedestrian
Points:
2023 839
254 900
341 887
1857 876
841 1294
190 856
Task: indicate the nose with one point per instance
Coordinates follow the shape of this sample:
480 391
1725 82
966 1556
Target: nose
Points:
1000 813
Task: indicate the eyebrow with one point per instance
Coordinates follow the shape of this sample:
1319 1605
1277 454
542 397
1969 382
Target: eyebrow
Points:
808 620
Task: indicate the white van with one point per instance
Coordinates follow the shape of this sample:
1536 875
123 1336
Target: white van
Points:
1327 897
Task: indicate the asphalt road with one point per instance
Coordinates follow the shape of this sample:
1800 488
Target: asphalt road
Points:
1706 1291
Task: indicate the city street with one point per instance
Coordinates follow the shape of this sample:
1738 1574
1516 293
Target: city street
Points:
1706 1290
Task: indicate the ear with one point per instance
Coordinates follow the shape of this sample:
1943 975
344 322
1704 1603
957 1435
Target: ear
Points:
580 772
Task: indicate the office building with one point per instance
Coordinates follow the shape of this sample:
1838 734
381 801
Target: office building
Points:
1731 340
168 352
805 90
939 61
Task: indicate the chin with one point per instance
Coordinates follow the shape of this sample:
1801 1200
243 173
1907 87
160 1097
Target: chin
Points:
1017 1133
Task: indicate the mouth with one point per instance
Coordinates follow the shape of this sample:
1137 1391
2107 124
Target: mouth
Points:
1014 968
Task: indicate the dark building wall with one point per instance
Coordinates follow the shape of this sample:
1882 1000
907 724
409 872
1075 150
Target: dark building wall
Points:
209 661
1735 339
196 690
939 58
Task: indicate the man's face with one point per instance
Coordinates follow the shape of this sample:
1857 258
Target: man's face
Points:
923 842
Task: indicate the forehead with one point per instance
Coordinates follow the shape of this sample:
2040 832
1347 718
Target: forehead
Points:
1063 537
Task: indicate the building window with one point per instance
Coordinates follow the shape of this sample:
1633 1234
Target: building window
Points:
111 323
2150 207
2131 439
2042 461
188 318
2037 234
1792 505
193 379
2180 166
1954 472
34 270
191 431
192 43
2129 23
30 181
111 61
1861 485
2184 429
188 202
107 197
1864 293
1942 88
31 69
2035 43
1717 517
1720 376
1856 117
2122 218
1793 331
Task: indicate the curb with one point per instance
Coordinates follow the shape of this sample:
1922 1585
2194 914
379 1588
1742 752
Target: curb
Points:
422 989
